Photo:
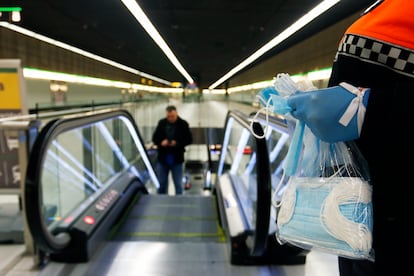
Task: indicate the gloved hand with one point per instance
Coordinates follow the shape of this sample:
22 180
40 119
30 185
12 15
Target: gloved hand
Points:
333 114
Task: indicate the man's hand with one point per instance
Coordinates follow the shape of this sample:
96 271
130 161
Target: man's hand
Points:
168 143
165 143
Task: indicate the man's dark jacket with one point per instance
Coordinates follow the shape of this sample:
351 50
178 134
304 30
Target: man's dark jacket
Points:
182 135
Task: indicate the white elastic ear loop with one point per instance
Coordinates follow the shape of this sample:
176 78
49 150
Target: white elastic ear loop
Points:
350 190
276 191
266 108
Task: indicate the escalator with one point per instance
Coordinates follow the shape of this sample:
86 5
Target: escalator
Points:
170 219
245 183
82 173
90 193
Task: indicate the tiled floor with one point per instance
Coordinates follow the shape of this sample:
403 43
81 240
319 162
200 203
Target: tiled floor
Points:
160 259
10 253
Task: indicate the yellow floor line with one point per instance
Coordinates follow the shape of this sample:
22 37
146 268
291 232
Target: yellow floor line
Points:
174 235
171 218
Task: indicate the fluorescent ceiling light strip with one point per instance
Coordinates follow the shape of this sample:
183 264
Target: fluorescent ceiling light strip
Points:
80 51
139 14
312 14
252 86
322 74
317 75
157 89
48 75
10 9
214 91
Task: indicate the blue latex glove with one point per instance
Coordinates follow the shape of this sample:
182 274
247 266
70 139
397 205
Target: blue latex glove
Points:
333 114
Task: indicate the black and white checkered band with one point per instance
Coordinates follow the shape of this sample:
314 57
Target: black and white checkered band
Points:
396 58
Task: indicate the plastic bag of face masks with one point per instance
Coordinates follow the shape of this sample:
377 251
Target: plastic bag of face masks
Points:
326 204
332 211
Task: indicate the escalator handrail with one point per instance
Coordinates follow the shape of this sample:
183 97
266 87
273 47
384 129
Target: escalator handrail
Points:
46 241
263 182
264 190
275 121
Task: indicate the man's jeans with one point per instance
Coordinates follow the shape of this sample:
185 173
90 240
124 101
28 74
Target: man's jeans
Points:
177 175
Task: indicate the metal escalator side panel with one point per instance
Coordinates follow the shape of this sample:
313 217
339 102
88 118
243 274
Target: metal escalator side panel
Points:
235 223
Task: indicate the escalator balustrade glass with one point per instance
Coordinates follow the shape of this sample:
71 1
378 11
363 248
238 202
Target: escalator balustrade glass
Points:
278 140
74 169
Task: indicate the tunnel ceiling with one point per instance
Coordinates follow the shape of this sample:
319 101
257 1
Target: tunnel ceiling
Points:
208 37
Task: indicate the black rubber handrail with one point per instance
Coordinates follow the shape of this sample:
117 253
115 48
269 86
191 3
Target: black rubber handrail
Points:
264 190
275 121
263 180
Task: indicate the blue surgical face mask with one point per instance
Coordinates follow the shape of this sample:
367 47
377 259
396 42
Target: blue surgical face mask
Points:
330 214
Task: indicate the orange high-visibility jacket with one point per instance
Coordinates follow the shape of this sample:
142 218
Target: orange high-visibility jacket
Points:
391 21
